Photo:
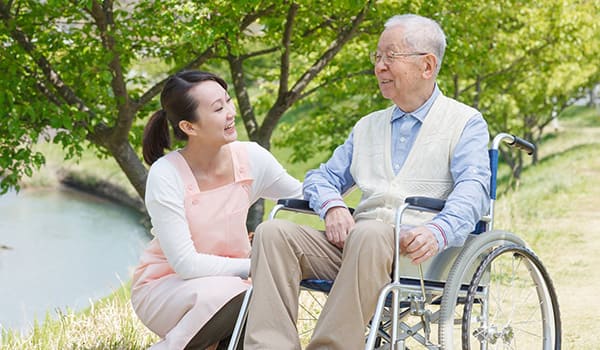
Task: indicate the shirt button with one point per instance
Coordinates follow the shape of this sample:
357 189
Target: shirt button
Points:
195 202
396 166
403 139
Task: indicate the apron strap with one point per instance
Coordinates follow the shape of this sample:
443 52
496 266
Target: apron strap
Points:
241 164
189 181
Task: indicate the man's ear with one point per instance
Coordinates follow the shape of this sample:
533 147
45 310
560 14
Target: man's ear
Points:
430 64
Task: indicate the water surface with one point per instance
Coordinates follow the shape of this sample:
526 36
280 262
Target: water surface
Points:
62 249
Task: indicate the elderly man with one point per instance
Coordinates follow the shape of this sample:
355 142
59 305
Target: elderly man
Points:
425 144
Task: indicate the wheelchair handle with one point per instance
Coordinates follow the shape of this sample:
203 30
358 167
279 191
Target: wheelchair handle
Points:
513 141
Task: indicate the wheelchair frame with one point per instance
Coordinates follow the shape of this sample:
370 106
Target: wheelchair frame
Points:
465 277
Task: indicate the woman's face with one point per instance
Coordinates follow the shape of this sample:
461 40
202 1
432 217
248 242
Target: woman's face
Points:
215 113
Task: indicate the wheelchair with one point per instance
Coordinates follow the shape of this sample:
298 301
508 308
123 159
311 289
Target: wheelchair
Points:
491 293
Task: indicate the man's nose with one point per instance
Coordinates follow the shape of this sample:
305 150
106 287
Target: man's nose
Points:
380 66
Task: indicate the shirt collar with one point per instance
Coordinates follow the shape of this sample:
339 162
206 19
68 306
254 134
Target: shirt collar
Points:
421 112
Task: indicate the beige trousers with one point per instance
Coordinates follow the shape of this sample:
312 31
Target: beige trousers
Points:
284 253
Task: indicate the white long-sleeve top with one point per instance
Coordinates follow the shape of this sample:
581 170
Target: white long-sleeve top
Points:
165 204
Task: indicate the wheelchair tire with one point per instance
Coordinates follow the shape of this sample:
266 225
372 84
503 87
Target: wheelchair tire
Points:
455 289
518 308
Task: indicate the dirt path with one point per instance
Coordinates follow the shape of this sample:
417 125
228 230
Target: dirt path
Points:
575 270
576 274
574 261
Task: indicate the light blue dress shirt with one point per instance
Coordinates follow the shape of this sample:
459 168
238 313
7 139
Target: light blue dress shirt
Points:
470 169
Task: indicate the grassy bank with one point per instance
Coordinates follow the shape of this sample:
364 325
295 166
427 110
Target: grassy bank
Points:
554 209
107 324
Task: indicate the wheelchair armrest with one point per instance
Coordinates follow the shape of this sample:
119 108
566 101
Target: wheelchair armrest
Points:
299 205
293 203
431 204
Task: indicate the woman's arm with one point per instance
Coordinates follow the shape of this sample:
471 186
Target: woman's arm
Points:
165 204
271 180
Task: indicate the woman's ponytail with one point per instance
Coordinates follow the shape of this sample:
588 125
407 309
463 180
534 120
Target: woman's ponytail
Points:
156 137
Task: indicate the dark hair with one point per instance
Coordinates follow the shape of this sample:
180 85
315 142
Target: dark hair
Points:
177 105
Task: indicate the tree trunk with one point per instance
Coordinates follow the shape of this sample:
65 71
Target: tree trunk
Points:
131 165
255 215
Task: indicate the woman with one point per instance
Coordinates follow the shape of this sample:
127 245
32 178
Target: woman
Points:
191 279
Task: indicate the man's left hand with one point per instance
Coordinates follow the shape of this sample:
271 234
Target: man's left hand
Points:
419 243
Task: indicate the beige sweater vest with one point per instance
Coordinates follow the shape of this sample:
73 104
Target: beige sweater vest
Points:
426 171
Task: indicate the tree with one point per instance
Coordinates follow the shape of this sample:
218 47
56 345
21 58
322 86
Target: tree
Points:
75 68
519 63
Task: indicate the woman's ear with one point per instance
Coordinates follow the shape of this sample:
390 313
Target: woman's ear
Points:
430 63
187 127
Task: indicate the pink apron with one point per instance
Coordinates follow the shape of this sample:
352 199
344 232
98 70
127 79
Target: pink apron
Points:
174 308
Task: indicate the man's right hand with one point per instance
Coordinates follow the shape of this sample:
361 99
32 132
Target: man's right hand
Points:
338 223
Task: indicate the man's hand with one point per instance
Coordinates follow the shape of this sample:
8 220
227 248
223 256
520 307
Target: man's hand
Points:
419 243
338 223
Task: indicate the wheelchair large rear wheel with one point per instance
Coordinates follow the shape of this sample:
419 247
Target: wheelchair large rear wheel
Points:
475 250
511 303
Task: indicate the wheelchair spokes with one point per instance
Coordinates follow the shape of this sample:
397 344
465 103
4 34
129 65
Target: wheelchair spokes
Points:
517 309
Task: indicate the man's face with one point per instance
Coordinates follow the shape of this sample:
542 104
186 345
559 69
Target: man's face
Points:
398 76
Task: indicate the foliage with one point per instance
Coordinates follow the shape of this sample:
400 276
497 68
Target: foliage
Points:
519 63
87 70
87 73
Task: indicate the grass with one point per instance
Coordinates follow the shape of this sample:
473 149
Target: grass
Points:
107 324
554 209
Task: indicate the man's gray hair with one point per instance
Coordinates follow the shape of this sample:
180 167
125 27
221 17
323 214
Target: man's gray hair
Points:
421 34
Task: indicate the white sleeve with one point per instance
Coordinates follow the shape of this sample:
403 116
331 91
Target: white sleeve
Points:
271 180
164 201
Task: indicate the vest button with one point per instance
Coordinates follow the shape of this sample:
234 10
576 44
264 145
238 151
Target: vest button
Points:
195 202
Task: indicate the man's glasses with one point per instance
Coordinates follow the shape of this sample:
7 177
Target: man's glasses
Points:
389 57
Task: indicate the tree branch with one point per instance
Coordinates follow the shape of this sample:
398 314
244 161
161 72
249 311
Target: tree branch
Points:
64 91
39 84
288 98
328 21
335 80
285 56
336 45
241 92
200 59
157 88
517 62
253 16
104 19
258 53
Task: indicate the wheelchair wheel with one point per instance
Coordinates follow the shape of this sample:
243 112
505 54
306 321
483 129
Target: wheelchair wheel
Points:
476 253
455 289
310 305
517 308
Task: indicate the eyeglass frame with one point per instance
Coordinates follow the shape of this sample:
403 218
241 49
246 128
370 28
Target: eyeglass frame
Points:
391 56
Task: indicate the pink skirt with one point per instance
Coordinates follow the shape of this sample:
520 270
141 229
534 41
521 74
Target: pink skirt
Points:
177 309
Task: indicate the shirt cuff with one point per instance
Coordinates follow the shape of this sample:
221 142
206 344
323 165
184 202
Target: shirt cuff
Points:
330 203
439 233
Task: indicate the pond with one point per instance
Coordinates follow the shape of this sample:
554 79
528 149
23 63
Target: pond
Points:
61 249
